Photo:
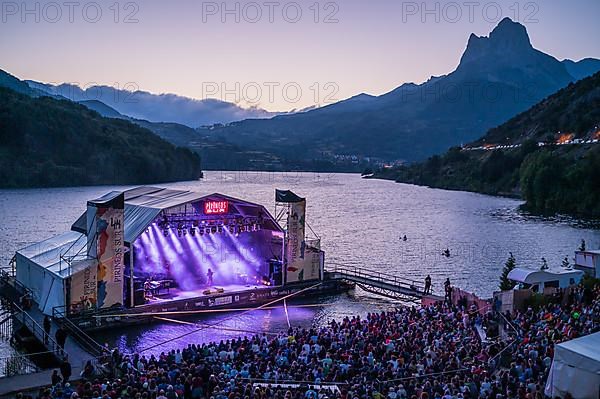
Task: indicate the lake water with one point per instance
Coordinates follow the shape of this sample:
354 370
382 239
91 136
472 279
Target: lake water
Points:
360 223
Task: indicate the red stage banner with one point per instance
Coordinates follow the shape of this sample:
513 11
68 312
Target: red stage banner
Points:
216 207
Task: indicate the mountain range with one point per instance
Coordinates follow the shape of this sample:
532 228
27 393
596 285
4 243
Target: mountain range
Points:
215 154
497 77
548 155
143 105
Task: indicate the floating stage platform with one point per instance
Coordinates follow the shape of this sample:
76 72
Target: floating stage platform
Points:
145 251
191 303
152 254
137 254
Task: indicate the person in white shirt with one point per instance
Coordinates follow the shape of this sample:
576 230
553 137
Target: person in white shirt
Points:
402 394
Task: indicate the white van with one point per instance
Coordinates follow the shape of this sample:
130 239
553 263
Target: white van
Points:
538 280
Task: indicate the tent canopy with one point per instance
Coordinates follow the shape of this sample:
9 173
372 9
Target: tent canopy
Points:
585 349
576 368
55 254
43 267
144 204
107 199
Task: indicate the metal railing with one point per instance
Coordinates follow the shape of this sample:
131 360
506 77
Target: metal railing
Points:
11 270
19 364
384 278
88 343
38 332
11 366
6 324
7 272
10 288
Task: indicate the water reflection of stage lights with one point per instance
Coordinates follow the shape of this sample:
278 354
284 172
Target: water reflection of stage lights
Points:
209 227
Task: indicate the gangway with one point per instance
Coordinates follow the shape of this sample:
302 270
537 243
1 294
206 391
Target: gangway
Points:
383 284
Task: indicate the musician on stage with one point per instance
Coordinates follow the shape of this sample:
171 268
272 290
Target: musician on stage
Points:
147 289
209 276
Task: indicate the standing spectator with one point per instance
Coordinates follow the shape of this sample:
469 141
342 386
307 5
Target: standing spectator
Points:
65 369
428 284
61 337
447 283
448 291
88 371
47 326
55 378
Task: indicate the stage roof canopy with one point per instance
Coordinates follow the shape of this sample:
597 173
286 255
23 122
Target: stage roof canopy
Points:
55 254
144 204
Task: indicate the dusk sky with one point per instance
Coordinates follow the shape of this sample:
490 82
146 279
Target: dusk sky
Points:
184 47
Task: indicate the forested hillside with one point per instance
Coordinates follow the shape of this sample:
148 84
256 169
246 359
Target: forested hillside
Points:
48 142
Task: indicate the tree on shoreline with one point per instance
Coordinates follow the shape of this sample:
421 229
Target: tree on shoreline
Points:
505 283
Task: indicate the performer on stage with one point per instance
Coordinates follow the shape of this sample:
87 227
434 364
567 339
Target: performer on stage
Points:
209 276
147 289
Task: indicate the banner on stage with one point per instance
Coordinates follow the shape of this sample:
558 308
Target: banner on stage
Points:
83 291
302 263
107 245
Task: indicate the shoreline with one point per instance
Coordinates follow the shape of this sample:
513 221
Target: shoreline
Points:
464 190
200 179
523 207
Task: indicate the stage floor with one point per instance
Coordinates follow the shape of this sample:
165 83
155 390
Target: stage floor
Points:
175 294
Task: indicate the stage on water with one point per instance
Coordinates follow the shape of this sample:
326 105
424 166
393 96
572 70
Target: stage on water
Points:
244 299
149 250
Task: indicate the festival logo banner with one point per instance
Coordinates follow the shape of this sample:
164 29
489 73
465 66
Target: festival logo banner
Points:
106 219
110 257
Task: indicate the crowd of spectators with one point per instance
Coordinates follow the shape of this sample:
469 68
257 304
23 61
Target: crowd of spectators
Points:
441 351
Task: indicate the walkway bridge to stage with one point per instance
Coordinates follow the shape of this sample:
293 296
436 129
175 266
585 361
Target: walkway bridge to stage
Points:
383 284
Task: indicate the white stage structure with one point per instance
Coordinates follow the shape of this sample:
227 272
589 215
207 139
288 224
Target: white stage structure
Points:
576 369
123 234
45 267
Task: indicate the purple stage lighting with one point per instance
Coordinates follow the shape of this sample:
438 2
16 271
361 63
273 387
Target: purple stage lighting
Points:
185 258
